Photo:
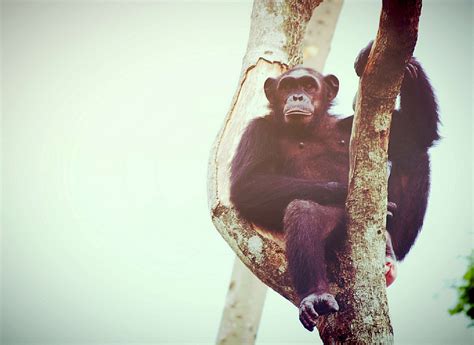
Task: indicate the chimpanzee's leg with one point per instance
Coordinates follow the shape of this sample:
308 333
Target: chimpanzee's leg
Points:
307 225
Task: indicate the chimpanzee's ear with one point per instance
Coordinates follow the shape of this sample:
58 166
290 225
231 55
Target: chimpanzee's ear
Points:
332 84
270 89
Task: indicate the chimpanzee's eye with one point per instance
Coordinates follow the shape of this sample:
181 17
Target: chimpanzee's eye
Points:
284 85
309 84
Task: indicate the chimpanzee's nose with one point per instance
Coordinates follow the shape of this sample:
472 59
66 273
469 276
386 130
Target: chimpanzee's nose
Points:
297 97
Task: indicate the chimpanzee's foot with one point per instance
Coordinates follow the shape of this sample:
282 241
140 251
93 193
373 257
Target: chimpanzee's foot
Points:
314 305
390 261
390 270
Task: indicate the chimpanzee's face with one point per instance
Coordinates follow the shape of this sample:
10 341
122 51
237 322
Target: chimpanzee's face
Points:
301 94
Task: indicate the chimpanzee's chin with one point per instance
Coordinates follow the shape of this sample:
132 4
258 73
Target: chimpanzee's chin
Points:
298 120
298 128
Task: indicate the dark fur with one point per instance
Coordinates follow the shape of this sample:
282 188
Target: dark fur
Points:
302 191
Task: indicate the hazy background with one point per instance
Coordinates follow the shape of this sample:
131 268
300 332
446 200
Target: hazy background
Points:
109 110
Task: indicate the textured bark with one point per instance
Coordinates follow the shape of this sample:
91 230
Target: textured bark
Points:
364 318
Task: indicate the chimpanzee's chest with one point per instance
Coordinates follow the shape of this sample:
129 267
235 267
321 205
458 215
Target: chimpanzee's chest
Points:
323 157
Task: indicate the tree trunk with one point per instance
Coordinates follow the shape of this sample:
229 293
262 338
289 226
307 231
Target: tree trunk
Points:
246 295
243 308
319 33
364 318
275 44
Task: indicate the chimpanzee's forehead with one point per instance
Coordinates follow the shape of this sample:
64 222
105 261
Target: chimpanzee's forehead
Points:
299 72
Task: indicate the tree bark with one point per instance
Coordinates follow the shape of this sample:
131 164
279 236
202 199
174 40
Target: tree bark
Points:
364 317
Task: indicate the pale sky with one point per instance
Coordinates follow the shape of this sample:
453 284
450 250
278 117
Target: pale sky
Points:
109 110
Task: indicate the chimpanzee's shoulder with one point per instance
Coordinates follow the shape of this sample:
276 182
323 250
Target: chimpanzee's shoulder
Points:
345 124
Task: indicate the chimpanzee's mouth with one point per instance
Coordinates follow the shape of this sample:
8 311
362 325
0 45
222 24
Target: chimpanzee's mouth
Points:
298 112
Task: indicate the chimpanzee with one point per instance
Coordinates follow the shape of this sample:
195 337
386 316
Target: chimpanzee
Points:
291 167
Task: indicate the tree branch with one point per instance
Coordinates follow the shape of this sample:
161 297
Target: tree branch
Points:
364 310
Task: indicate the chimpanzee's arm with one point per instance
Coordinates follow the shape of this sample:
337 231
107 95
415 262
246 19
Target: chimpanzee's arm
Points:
408 187
414 129
258 192
415 125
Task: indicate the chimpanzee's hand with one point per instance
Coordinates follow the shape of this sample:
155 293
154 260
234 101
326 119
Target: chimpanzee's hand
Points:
411 69
361 59
391 208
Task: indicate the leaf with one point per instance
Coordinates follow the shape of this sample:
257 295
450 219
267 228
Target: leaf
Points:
466 292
